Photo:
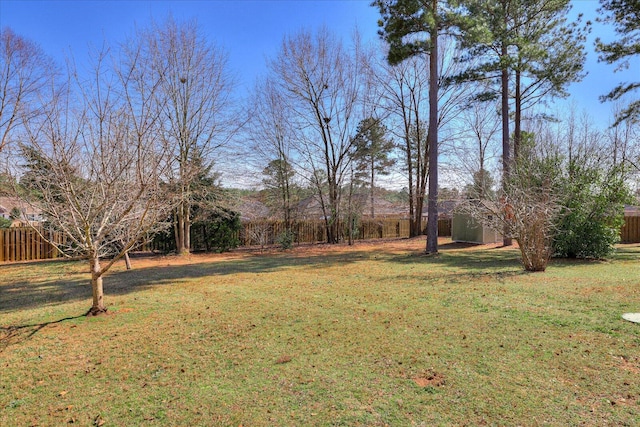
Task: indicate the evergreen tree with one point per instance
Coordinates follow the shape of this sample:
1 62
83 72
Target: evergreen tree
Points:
482 186
530 41
625 17
372 149
412 27
278 183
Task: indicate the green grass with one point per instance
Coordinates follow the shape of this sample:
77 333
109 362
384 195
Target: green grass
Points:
338 336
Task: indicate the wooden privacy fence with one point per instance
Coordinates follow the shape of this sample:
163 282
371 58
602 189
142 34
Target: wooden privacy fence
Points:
26 244
630 232
312 231
444 227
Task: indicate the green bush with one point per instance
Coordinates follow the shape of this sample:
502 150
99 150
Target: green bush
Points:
221 231
217 232
285 239
593 213
5 223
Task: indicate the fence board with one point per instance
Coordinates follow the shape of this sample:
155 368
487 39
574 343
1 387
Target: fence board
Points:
444 227
630 232
313 231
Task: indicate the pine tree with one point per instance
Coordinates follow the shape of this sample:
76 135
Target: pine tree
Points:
412 27
372 149
529 41
625 17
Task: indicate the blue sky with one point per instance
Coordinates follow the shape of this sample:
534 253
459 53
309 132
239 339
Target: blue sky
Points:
250 31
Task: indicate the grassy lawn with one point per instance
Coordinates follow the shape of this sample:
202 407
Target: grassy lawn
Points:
362 336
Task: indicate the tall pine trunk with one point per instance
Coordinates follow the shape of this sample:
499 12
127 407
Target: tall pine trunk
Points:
506 146
432 139
517 131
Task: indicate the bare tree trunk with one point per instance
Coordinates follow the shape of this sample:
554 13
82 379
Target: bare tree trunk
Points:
176 227
286 202
418 213
432 140
412 219
181 247
517 132
373 168
350 211
98 306
506 146
187 229
422 167
127 260
413 230
334 203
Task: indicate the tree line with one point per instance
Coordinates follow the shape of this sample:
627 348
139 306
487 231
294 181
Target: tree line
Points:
131 143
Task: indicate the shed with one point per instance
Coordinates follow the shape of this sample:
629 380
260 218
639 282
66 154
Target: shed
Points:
464 228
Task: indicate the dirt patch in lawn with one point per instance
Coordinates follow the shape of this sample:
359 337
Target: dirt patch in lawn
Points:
429 379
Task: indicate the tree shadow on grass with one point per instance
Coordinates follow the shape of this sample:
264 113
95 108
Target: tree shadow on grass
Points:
21 294
10 335
627 252
463 256
72 284
498 259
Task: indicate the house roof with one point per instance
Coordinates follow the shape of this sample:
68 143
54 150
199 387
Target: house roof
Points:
311 208
251 209
632 210
8 203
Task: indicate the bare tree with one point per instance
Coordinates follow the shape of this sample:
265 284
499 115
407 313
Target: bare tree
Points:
623 139
404 86
323 86
94 163
272 138
194 93
476 145
25 73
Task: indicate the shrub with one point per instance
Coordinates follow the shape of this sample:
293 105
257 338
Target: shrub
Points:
285 239
221 230
527 206
218 232
593 212
531 205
